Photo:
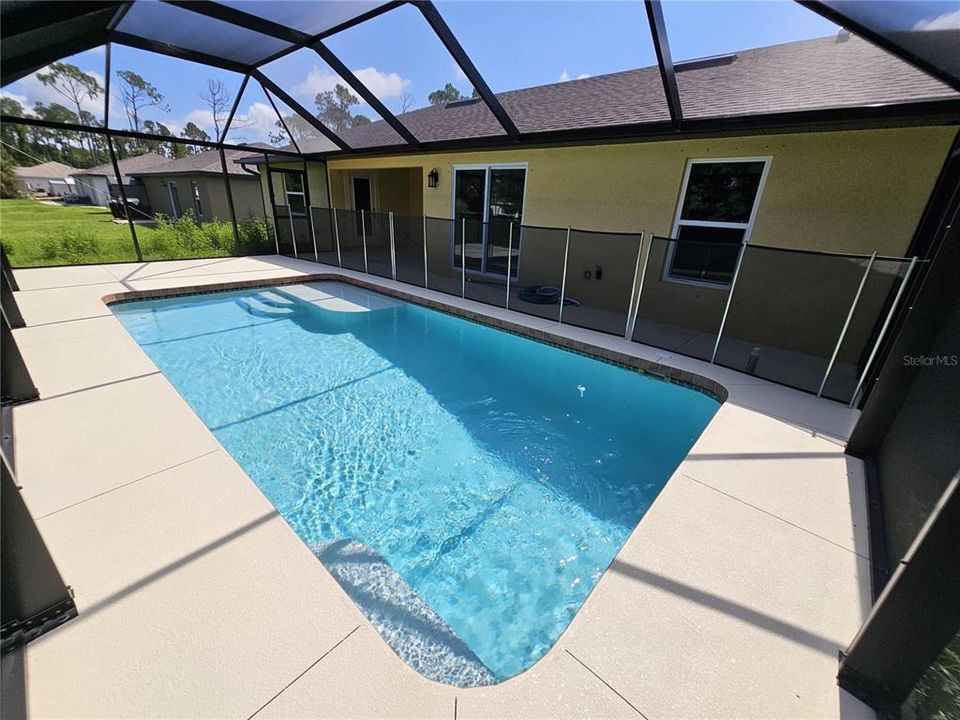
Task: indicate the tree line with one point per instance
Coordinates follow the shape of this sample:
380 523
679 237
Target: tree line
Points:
138 95
79 89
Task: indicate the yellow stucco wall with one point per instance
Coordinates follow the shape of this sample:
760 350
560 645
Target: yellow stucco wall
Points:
852 191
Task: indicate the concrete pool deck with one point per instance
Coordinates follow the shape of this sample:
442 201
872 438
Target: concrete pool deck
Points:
731 598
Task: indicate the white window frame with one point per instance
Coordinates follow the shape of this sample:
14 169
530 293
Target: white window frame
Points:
747 227
197 203
302 193
173 192
488 167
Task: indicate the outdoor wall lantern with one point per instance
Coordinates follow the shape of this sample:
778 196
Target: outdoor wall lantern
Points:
433 178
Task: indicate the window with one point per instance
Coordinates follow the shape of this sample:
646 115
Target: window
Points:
489 198
717 208
293 189
197 205
174 200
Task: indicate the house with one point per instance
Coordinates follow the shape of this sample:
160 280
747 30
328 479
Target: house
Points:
95 182
49 178
195 184
838 186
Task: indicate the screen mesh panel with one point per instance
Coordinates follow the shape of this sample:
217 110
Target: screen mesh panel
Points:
787 311
442 270
313 18
674 313
172 25
350 230
600 275
284 230
540 272
882 284
379 260
323 235
408 232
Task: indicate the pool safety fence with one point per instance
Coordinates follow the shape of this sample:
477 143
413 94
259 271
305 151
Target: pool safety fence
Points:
805 319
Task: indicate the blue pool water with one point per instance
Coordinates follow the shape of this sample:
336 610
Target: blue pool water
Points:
495 475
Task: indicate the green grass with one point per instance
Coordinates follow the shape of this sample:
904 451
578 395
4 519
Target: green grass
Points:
37 234
34 233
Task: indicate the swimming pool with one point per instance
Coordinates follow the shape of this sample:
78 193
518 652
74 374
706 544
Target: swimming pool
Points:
466 486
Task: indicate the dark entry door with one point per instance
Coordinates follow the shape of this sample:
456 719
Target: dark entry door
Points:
362 199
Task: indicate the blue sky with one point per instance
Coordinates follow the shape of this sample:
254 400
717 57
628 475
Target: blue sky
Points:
514 44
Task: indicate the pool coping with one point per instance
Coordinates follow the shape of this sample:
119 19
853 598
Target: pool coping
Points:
667 373
559 665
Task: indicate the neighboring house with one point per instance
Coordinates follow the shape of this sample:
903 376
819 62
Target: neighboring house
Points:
195 183
835 186
95 182
51 178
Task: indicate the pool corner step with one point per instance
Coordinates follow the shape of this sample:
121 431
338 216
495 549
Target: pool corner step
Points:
404 620
268 305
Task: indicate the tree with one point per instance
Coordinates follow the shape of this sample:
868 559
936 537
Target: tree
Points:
170 150
11 133
10 186
333 108
298 127
448 94
138 94
406 102
76 86
217 98
192 132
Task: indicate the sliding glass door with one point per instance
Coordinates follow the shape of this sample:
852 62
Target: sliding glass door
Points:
490 199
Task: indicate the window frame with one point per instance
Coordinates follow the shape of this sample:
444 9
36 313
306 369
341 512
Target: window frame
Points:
487 168
197 203
747 227
302 193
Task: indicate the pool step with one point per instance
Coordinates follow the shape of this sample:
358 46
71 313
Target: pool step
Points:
404 620
269 305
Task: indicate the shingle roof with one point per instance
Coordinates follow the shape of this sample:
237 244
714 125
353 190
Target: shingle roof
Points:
203 163
52 169
832 72
127 165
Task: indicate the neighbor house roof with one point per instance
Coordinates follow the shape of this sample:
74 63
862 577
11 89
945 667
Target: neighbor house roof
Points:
50 169
128 166
839 71
203 163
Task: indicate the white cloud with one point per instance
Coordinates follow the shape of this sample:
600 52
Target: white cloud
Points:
459 73
565 76
255 124
201 118
29 91
382 84
947 21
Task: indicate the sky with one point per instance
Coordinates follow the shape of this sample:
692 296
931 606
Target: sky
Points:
513 44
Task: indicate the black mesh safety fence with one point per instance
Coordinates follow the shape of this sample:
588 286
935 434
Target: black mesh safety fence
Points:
351 230
674 311
536 287
443 261
602 270
880 288
284 230
483 279
410 248
324 236
786 314
379 255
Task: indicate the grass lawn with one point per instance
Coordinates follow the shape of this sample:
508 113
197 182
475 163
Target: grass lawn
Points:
34 233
